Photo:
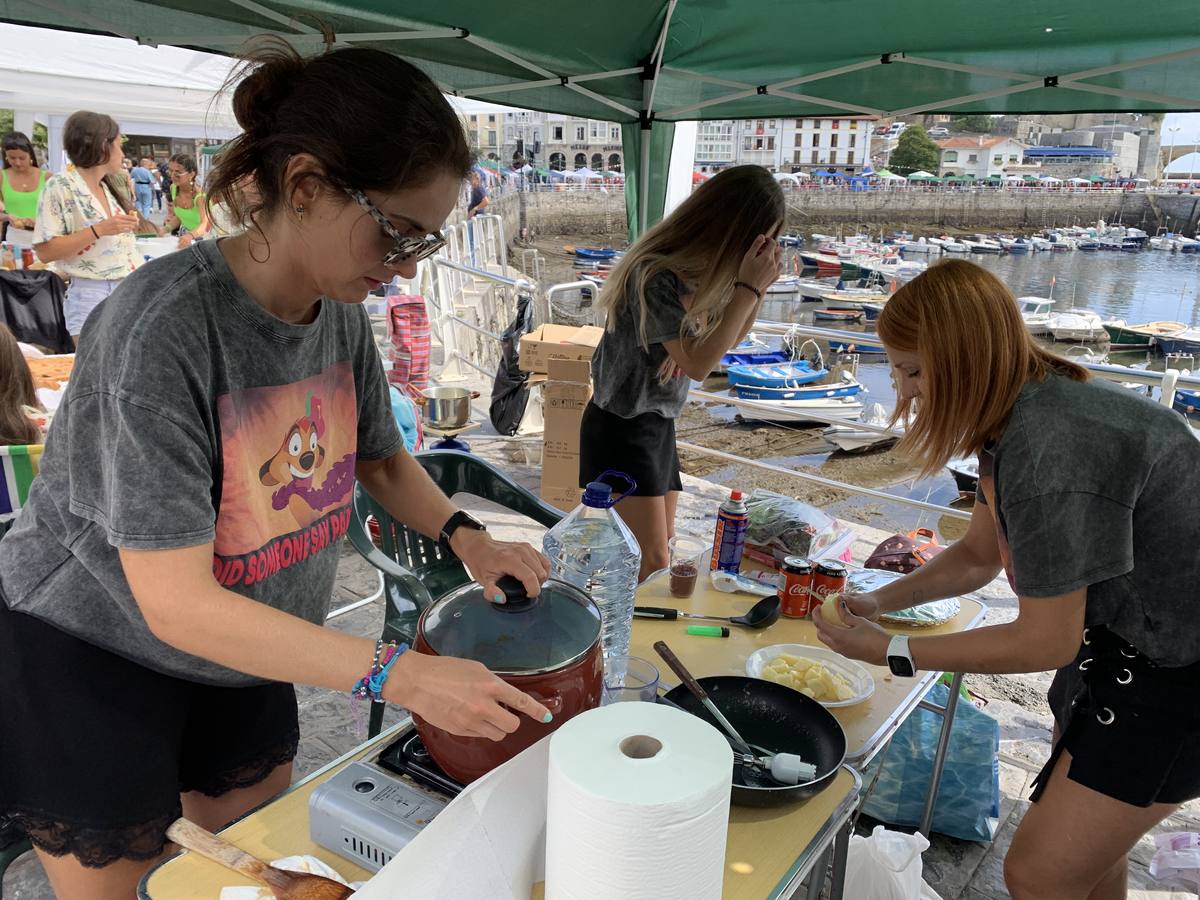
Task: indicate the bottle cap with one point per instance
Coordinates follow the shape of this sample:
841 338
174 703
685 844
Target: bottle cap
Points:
735 495
598 495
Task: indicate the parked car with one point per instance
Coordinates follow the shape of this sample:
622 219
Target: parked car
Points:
939 131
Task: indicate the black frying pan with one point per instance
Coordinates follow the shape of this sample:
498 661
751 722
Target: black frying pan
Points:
778 719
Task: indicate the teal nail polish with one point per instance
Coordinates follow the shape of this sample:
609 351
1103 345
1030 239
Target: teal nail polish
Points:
499 598
548 718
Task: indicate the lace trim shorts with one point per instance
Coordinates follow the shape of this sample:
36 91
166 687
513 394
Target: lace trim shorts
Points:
95 749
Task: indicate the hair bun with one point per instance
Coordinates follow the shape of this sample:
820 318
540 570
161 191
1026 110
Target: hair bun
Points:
271 80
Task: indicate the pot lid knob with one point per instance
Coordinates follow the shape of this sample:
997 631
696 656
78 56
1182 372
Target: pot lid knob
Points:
516 598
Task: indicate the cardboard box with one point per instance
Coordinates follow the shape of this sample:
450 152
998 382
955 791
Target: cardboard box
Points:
568 390
547 342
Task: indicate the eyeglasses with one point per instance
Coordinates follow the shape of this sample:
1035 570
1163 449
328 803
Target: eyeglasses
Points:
406 248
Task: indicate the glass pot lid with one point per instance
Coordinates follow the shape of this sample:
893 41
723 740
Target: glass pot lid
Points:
524 636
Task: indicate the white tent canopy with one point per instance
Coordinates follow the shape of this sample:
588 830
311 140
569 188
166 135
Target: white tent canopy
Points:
1079 181
163 91
1050 179
1186 166
891 176
921 174
793 177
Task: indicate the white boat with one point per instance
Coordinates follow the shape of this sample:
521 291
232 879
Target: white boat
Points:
921 245
952 246
893 267
1077 325
855 298
814 289
852 439
798 410
1036 313
983 244
1040 243
784 284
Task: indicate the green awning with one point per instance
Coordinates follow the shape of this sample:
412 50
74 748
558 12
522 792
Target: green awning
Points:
649 64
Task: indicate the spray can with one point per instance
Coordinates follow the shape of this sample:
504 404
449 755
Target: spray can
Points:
730 537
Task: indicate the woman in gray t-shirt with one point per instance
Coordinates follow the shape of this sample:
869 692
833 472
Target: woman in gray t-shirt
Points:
1087 500
168 579
681 297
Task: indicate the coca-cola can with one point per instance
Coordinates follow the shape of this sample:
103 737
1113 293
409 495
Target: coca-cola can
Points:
829 577
796 594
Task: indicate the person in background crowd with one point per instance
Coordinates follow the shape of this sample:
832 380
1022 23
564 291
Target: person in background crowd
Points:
17 397
164 182
82 225
228 399
156 174
1087 501
187 211
21 183
479 196
682 296
143 186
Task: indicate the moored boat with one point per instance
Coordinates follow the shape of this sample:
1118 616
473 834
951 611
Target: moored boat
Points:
1186 341
1139 337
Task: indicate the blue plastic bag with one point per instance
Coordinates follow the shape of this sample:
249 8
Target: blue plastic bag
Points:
968 802
405 412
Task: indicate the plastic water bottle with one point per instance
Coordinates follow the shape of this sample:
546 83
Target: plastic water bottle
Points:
595 551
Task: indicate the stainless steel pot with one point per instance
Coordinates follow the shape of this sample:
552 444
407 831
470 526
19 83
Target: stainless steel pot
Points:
446 408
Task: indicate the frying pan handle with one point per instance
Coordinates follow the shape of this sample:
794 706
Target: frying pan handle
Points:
661 648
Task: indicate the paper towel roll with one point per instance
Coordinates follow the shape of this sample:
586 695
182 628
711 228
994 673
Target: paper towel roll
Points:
637 806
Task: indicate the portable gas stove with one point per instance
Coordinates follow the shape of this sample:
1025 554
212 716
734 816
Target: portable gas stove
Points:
371 809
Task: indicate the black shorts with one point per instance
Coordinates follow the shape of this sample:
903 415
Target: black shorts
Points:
1133 728
642 447
95 750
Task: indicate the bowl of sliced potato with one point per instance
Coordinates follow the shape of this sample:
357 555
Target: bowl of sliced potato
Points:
817 672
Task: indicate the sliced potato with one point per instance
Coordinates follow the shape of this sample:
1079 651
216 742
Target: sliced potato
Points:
808 677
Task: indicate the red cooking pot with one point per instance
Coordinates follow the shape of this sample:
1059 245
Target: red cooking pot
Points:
547 646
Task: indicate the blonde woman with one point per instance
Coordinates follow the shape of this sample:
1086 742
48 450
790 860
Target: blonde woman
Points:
1087 501
683 295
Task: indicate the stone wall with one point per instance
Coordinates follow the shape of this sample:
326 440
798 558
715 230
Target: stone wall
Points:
576 212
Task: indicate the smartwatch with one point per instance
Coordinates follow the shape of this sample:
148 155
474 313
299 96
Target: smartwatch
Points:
459 520
899 660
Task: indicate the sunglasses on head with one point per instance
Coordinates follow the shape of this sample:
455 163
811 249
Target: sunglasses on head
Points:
405 248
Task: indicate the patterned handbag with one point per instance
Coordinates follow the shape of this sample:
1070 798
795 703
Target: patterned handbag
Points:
905 552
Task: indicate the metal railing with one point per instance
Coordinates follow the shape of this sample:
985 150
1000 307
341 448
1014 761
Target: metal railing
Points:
455 293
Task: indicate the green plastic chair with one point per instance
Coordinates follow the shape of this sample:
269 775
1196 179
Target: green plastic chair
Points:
415 569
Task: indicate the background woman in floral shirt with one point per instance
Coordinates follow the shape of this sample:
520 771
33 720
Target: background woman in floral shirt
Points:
83 226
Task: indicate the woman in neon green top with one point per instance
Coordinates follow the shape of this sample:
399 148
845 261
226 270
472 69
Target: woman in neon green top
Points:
188 209
21 183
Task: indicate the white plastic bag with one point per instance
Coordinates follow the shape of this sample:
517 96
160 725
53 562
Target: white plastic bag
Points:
1177 862
885 866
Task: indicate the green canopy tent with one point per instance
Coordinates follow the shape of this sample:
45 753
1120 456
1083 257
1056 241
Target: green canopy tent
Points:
650 65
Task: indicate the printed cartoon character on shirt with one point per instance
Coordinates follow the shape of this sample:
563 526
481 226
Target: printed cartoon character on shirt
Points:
294 466
288 455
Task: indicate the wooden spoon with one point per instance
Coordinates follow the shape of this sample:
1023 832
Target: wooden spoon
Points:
284 885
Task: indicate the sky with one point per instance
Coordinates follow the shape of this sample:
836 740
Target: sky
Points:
1188 125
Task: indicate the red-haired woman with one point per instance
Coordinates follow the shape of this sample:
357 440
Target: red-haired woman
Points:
1087 500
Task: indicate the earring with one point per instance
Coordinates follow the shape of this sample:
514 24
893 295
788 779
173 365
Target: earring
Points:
300 211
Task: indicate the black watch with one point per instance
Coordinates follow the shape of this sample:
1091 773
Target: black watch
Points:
459 520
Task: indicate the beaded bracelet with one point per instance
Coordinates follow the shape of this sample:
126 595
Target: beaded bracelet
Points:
370 686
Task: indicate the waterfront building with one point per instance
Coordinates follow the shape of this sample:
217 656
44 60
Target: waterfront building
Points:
829 144
545 140
715 144
979 155
1072 161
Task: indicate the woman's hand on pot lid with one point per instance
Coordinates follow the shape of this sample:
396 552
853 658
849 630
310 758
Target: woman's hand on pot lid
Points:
460 696
488 560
